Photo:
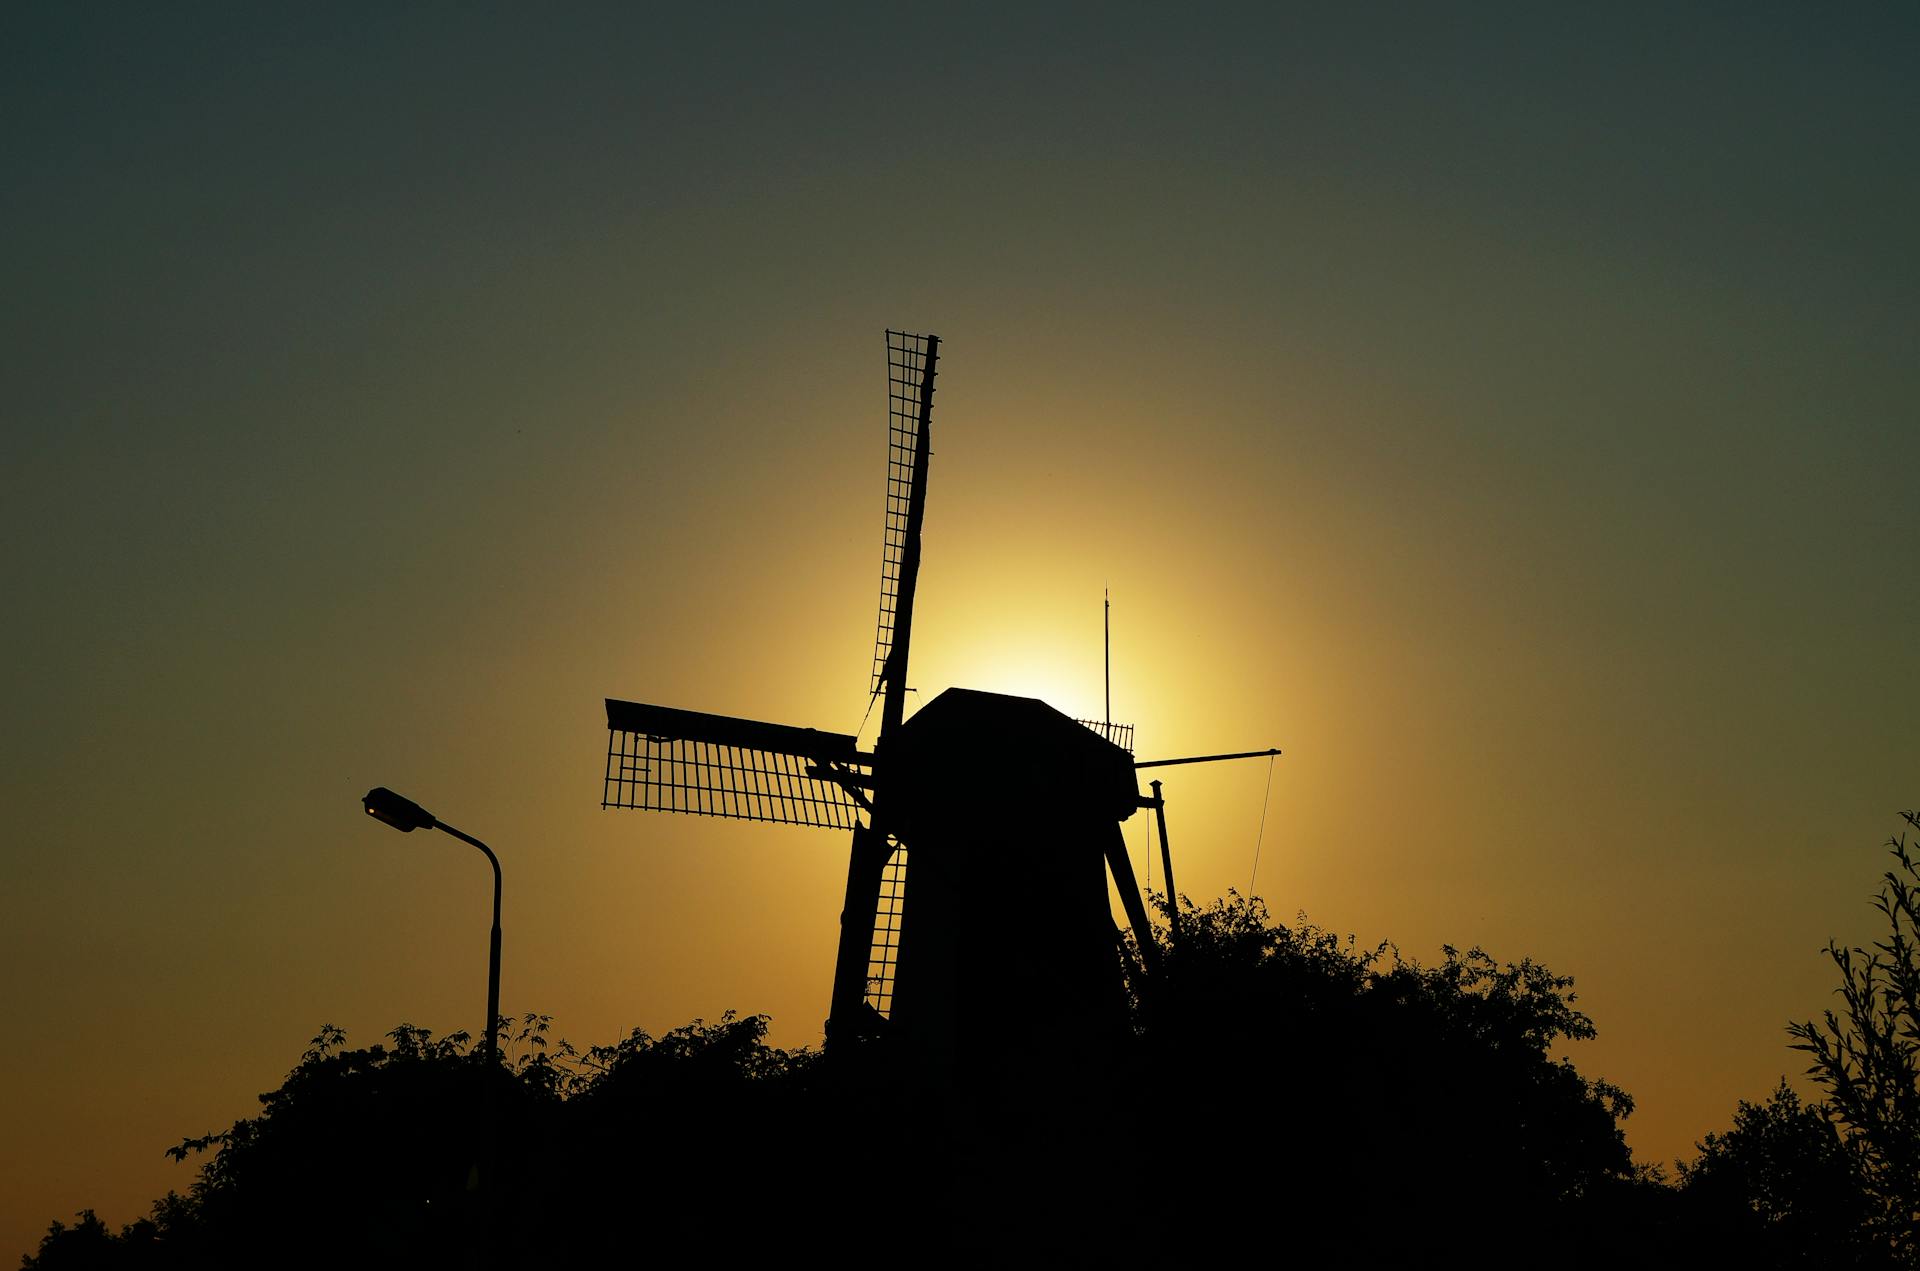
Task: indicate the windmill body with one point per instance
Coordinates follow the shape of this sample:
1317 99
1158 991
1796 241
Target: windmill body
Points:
983 828
1011 811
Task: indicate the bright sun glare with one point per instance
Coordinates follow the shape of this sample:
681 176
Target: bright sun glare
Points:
1053 678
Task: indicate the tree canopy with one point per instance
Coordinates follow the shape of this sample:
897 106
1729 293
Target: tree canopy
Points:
1376 1084
1867 1057
1280 1084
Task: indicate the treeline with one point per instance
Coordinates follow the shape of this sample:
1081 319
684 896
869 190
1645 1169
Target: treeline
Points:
1283 1093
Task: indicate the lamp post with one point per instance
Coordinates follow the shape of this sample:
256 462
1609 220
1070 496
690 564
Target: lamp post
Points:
405 815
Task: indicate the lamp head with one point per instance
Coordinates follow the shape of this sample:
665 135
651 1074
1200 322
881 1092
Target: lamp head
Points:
402 814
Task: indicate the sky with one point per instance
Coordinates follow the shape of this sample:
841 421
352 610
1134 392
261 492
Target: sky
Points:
1507 410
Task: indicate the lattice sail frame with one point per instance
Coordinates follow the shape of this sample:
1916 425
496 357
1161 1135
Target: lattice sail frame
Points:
883 951
665 760
906 373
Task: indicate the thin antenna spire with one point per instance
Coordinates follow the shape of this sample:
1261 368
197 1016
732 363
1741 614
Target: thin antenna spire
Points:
1106 645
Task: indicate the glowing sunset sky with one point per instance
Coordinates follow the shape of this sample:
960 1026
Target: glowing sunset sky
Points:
1510 415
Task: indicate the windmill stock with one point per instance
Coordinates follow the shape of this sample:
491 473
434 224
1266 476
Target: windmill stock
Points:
946 923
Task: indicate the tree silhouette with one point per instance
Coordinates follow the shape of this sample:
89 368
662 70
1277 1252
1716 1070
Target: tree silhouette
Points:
87 1243
1374 1086
1781 1189
1278 1080
1867 1055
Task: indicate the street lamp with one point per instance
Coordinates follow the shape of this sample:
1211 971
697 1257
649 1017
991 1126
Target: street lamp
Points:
405 815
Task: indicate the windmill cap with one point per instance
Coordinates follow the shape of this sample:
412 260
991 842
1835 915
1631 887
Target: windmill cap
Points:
968 747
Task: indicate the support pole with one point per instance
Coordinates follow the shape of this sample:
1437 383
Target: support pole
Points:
847 1013
1166 863
1129 890
493 953
1168 763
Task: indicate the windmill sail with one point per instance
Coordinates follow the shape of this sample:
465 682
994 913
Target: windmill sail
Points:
872 917
666 760
909 400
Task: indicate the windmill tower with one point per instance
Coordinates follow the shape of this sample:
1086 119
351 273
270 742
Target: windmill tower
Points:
947 925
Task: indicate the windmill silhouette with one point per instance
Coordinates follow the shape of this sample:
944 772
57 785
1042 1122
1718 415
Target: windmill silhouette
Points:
947 925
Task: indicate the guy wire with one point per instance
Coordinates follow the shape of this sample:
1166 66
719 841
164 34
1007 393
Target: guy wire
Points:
1253 881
